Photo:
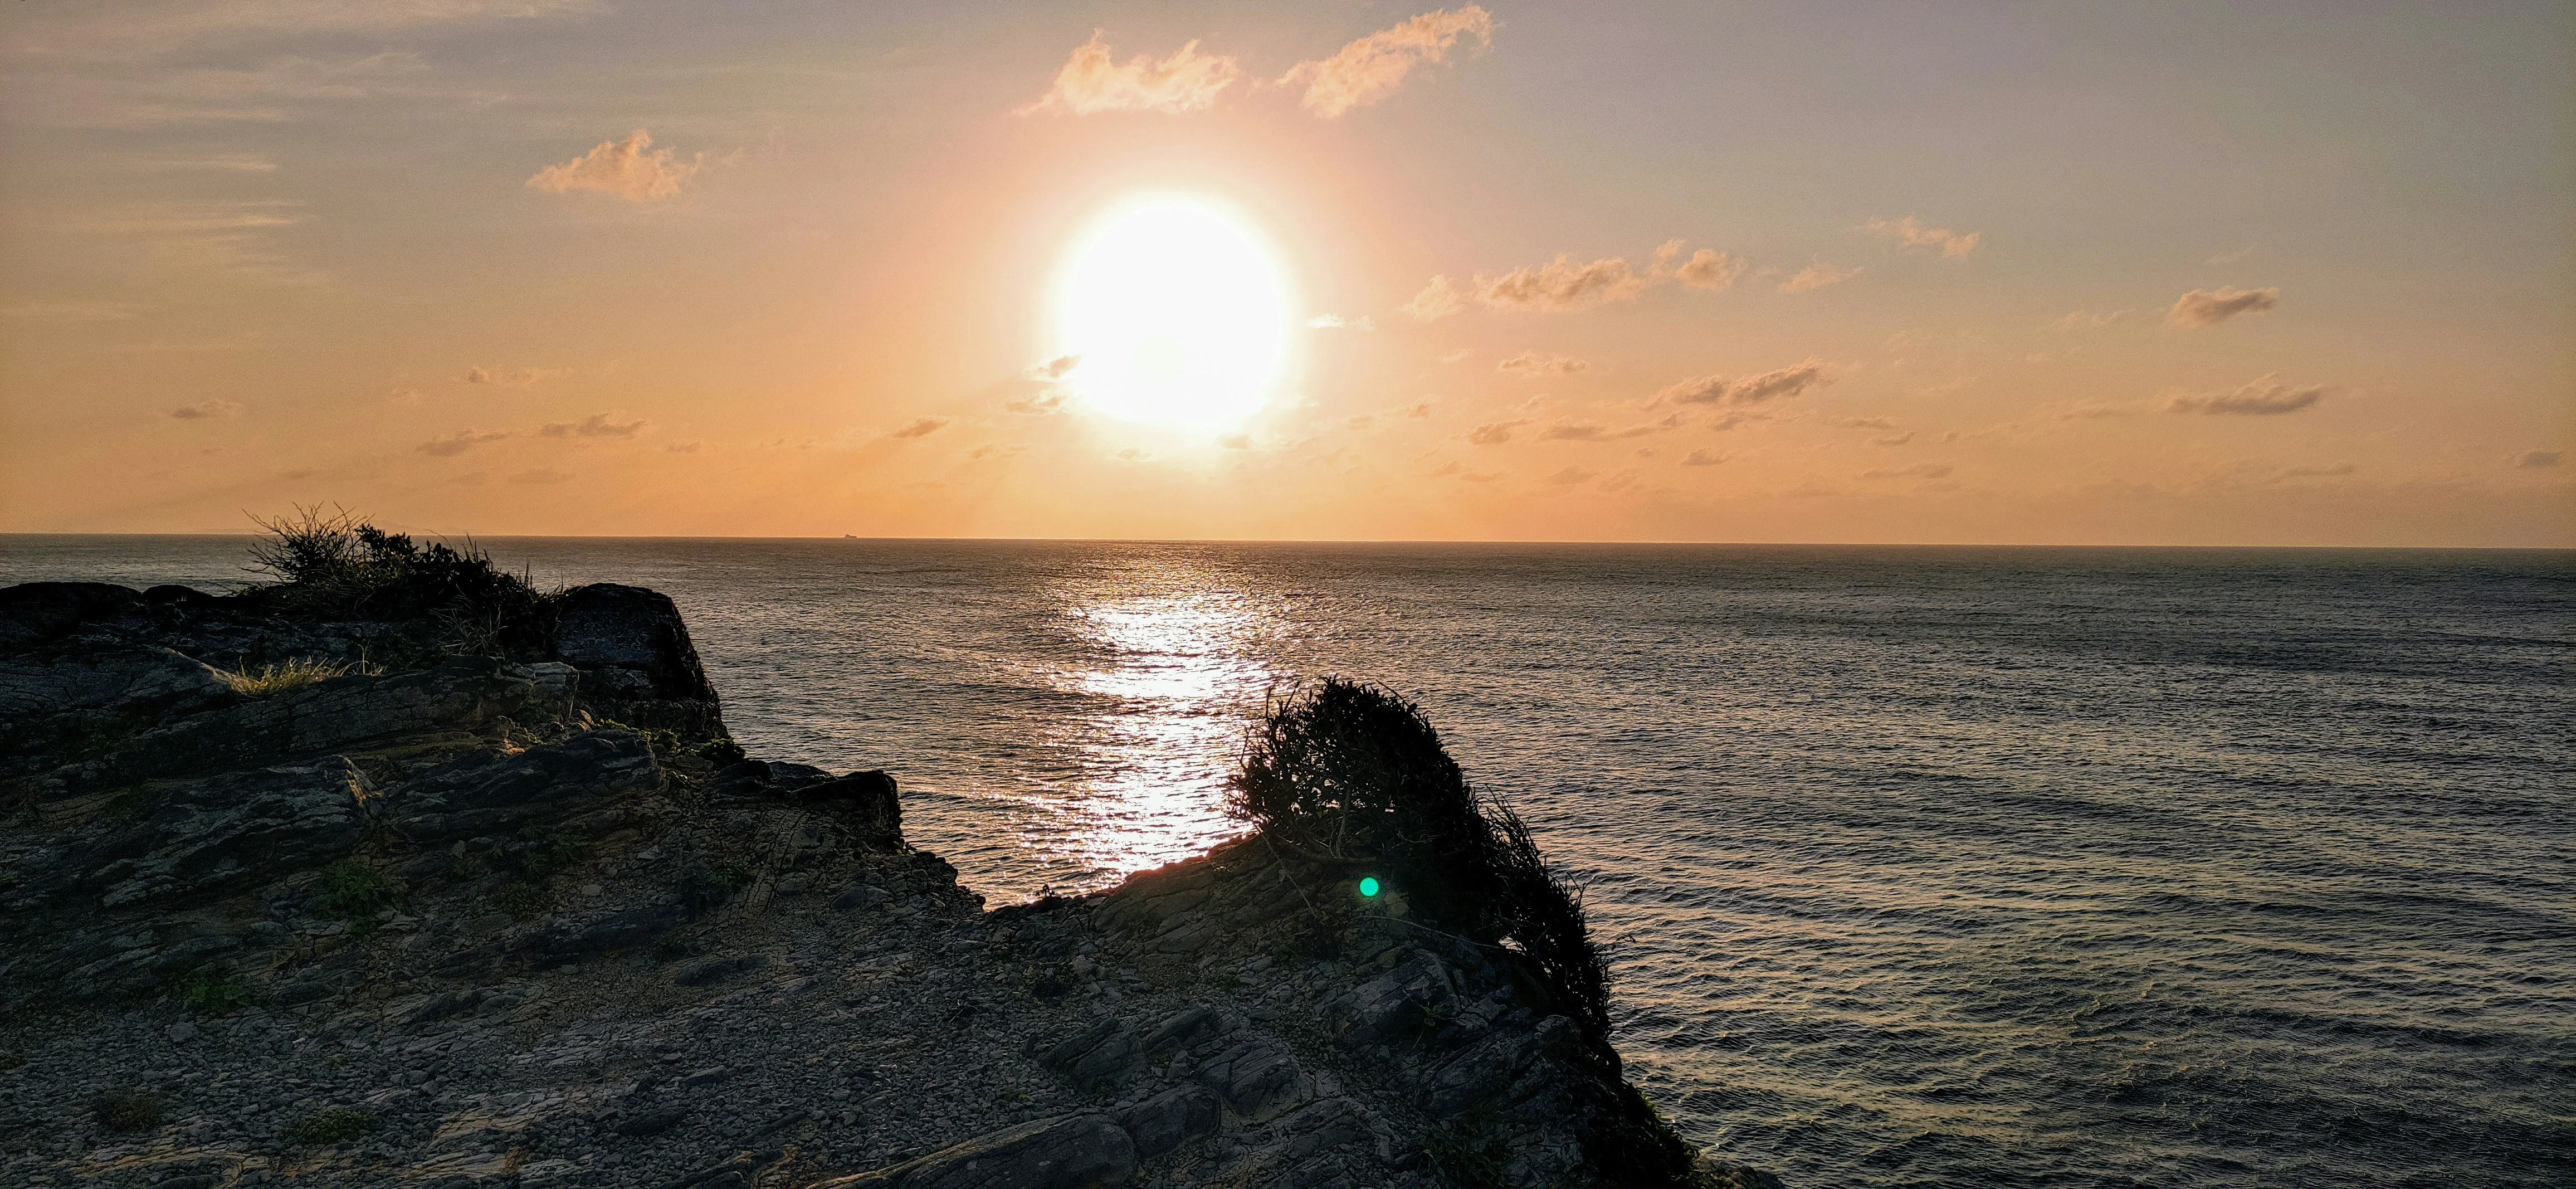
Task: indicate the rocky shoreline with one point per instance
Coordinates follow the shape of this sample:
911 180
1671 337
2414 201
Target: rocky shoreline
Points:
308 900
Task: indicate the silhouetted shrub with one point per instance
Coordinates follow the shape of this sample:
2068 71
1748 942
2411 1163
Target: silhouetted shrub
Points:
126 1110
1351 775
338 564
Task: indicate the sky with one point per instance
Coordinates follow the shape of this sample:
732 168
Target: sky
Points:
2223 274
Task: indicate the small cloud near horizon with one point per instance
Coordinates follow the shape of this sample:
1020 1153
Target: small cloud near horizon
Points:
1771 385
458 443
1337 322
207 410
1371 68
629 169
2266 397
1702 458
597 425
1817 276
2536 459
1094 81
1571 476
2209 307
1533 364
920 427
1913 234
1493 433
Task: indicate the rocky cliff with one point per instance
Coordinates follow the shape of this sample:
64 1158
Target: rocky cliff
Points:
296 899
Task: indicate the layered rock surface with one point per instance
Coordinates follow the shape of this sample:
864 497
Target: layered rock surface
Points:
536 922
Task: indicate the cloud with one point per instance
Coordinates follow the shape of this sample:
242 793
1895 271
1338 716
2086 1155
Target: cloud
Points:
2082 320
1494 433
1710 270
458 443
1337 322
1093 81
206 410
1571 476
1928 470
1894 439
920 427
1590 431
540 475
1532 364
1438 300
2091 412
1913 234
2266 397
1750 390
621 169
2232 257
688 447
597 425
1702 458
1864 422
1235 441
1040 389
2536 459
1560 284
2324 472
1371 68
1817 276
2208 307
516 377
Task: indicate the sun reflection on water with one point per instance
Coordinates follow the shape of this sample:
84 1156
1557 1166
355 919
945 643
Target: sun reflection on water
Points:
1169 681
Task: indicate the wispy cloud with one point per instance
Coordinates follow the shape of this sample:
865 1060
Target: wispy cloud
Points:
1708 269
1371 68
2083 320
1560 284
2226 258
459 442
1816 276
1438 300
2331 471
1039 390
2207 307
2536 459
920 427
1571 476
1093 80
1748 390
597 425
1928 470
630 169
2266 397
1337 322
1591 431
1914 234
1494 433
513 377
1532 364
207 410
1702 458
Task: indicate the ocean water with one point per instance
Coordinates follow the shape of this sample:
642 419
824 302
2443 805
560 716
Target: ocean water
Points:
1923 867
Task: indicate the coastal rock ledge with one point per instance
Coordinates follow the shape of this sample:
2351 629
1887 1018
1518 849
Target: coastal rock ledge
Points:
296 900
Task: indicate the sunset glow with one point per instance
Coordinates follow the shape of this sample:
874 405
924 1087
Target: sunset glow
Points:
1175 313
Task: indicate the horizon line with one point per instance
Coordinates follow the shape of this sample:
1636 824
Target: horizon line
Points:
1426 541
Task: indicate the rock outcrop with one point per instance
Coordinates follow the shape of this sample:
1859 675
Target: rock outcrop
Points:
536 921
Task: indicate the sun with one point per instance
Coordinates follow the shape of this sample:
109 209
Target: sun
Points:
1179 312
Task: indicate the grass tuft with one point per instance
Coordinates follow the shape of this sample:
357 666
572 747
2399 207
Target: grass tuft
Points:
353 889
294 674
339 564
325 1128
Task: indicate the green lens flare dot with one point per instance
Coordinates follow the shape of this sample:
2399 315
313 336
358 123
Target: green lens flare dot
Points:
1368 885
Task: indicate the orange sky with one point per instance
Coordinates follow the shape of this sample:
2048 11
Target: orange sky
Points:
2212 274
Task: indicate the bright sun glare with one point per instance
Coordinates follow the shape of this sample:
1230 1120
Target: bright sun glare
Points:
1179 311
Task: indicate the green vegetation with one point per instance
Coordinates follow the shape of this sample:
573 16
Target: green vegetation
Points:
294 674
523 900
539 856
126 1110
702 887
211 993
338 564
325 1128
1353 776
355 890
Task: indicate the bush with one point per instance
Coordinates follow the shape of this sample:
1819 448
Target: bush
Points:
325 1128
353 890
1351 775
211 993
126 1110
338 564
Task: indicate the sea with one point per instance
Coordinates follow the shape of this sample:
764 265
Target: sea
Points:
1918 866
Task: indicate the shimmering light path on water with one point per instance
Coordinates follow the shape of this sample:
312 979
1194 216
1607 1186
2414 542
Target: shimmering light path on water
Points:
1927 867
